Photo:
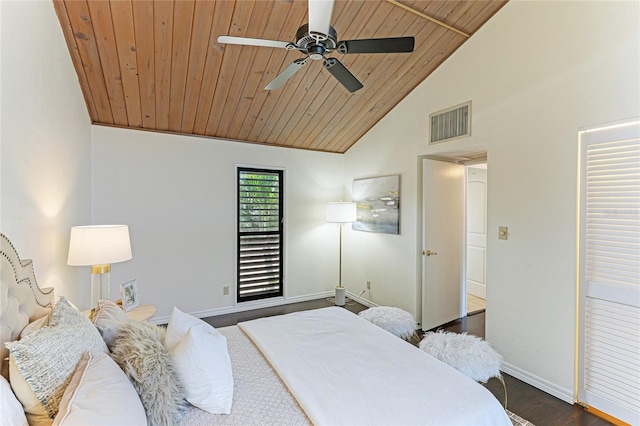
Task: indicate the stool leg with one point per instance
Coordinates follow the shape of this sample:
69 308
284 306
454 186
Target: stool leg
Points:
504 385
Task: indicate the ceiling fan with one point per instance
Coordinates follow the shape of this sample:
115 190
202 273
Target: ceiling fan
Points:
318 39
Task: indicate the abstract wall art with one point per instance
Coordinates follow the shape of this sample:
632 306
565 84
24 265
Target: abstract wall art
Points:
378 204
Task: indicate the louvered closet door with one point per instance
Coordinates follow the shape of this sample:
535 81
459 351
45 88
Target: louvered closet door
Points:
609 333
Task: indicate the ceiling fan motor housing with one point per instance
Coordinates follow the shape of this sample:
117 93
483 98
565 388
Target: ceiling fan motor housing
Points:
316 44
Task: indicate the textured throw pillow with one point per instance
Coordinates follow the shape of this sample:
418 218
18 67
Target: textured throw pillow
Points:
42 363
100 394
11 411
109 319
203 363
139 352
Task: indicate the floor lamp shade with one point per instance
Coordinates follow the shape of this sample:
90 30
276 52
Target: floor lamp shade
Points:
99 246
341 213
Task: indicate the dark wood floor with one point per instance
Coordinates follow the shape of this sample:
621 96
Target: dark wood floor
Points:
538 407
528 402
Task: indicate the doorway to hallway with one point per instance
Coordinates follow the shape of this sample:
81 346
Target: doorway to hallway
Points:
476 237
445 233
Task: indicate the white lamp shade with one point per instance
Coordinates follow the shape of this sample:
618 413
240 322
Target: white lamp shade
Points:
99 245
342 212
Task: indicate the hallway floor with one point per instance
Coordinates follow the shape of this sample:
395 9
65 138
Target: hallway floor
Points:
475 304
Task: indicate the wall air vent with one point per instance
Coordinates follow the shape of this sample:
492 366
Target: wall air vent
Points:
451 123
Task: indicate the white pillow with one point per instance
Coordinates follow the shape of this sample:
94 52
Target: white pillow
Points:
204 367
100 394
31 405
201 357
34 326
11 411
179 324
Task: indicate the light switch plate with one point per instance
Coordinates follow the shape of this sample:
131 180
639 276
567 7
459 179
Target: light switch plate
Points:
503 233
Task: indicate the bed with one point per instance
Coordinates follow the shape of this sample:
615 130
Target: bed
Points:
326 366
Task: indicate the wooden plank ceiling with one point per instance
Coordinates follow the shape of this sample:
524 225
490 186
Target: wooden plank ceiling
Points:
156 65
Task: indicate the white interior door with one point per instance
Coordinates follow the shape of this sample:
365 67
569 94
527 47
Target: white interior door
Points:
442 256
609 337
476 231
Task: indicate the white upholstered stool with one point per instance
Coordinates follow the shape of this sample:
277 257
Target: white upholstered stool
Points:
394 320
468 354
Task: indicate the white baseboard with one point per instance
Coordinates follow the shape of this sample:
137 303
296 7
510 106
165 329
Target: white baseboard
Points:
366 302
478 290
264 303
247 306
564 394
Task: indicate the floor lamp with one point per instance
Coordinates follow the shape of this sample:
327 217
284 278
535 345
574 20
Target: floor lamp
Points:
99 246
341 213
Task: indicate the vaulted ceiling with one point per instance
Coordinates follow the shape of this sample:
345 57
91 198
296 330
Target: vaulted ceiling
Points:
157 65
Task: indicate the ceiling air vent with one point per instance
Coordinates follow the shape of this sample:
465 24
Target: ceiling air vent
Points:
451 123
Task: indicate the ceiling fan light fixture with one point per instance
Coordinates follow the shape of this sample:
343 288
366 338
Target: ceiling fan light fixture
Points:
316 52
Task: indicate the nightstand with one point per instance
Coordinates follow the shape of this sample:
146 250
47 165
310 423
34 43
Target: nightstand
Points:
142 312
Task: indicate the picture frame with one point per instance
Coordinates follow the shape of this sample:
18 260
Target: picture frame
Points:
129 294
378 204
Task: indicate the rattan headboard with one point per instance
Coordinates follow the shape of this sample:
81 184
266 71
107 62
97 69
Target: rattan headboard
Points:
21 299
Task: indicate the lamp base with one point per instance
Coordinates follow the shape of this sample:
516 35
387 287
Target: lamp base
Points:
340 296
100 284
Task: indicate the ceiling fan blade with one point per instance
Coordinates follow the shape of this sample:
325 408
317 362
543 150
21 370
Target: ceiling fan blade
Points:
342 74
377 45
320 12
286 74
254 42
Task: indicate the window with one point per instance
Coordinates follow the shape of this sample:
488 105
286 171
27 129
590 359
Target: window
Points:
260 231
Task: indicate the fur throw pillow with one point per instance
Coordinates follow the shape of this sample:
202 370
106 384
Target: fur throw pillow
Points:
138 350
468 354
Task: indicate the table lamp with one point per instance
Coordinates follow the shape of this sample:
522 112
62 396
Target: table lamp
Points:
341 212
99 246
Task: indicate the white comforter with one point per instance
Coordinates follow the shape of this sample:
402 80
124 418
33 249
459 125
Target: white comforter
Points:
344 370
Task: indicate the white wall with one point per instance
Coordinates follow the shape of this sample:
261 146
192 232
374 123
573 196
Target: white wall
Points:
177 194
536 73
45 144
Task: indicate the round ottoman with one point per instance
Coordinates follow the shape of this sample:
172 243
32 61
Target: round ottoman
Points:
468 354
394 320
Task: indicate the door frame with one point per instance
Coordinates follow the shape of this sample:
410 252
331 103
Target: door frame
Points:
465 159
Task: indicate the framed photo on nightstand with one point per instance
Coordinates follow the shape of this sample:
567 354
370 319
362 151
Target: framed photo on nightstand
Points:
129 294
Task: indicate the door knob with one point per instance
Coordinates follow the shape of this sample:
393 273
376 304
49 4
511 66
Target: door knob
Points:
429 253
